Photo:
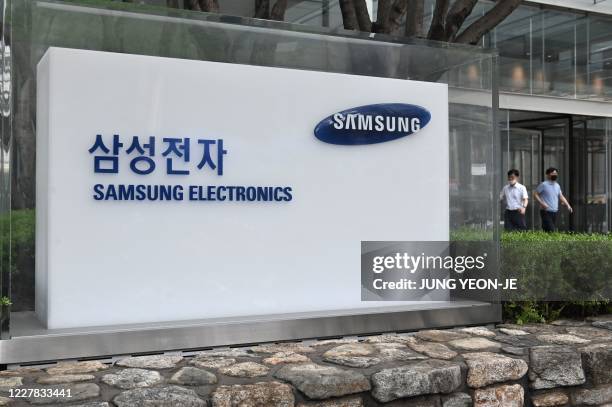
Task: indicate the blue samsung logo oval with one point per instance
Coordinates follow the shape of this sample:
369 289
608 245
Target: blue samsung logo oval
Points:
372 124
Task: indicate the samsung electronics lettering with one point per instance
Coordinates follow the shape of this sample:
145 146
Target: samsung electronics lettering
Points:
175 155
372 124
181 190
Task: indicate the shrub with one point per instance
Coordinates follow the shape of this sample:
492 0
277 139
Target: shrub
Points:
558 266
568 274
17 236
564 274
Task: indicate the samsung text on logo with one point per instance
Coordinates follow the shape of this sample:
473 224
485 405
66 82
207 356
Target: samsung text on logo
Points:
372 124
376 123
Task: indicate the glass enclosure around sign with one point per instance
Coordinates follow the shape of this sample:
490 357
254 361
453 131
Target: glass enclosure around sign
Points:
31 27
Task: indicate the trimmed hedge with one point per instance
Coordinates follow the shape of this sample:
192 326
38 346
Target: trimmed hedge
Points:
573 268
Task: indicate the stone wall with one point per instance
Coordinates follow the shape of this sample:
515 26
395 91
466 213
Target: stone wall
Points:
567 363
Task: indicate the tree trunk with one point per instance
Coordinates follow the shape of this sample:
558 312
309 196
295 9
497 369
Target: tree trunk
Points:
436 29
414 18
349 16
262 9
474 33
278 11
459 11
363 16
398 11
192 5
382 17
211 6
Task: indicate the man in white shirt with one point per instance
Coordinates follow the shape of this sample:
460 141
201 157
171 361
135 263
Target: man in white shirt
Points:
516 197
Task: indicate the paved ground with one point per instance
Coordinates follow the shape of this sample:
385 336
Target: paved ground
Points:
564 363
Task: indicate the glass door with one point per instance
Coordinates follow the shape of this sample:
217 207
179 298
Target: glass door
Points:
555 136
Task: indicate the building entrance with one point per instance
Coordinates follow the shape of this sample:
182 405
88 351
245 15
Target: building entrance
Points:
579 146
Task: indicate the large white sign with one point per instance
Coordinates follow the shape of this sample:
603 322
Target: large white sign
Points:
173 189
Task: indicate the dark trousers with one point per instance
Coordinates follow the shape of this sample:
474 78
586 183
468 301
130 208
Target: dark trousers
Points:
514 220
549 220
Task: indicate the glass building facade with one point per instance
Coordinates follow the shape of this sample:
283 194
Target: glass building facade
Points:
565 55
553 52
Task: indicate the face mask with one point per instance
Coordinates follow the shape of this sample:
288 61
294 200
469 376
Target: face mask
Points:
554 177
513 182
